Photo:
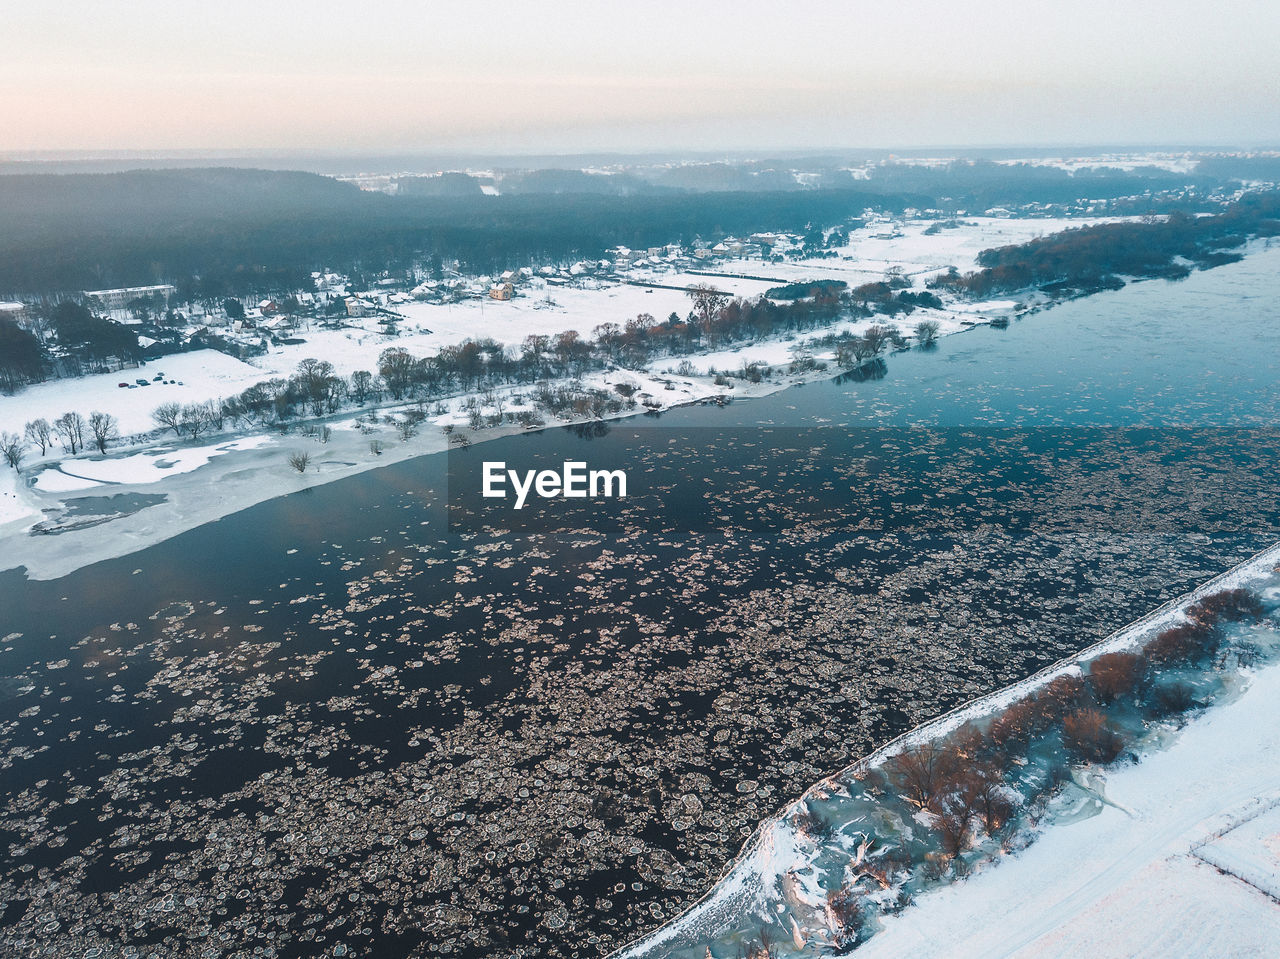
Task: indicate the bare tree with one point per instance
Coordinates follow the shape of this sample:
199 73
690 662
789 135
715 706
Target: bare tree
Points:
168 416
708 302
70 430
1089 736
197 418
299 461
104 429
927 332
986 795
362 386
920 773
876 337
41 433
954 826
317 379
851 351
1115 675
12 448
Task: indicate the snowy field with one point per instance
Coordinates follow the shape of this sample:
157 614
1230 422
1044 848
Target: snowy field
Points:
156 464
14 507
1122 883
204 374
540 308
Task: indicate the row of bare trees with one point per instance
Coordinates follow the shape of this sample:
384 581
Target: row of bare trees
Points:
191 419
964 782
71 431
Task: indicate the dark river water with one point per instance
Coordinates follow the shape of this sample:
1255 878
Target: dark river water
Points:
384 717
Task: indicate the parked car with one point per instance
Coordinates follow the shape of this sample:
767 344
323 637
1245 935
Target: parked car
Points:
141 382
123 386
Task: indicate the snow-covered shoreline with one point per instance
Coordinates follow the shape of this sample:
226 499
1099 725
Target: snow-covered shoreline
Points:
233 478
236 471
769 853
1127 881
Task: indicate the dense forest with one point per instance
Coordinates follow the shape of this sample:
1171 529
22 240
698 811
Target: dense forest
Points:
227 231
976 185
241 231
1098 257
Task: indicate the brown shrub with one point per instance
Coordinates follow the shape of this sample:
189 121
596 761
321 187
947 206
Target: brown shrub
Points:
1014 727
1059 697
1183 644
1116 675
846 908
1088 736
1232 605
982 790
954 826
968 743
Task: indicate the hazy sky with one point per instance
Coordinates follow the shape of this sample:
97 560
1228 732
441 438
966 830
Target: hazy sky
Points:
633 76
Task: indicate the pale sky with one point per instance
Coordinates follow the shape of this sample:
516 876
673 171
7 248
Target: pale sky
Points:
634 76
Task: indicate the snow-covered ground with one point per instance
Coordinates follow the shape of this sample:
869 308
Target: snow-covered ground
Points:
1123 883
1186 795
540 308
156 464
204 374
15 506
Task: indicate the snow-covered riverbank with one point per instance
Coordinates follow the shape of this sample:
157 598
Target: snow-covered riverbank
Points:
1125 849
1124 882
224 475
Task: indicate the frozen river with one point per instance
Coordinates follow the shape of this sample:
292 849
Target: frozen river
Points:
352 721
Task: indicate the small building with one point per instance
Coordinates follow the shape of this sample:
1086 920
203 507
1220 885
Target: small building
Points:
502 291
14 311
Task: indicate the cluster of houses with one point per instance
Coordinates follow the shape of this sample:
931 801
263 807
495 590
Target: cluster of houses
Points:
619 263
332 302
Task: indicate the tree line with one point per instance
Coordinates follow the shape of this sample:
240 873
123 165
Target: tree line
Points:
1089 258
216 232
72 431
976 784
